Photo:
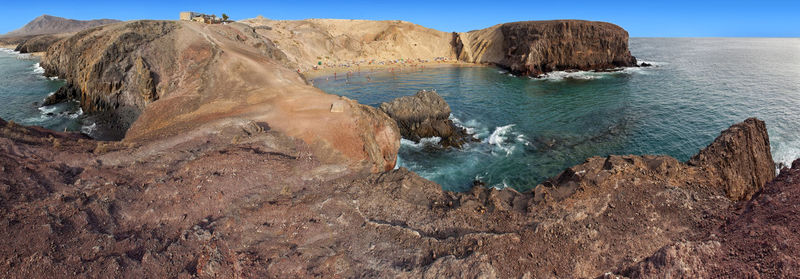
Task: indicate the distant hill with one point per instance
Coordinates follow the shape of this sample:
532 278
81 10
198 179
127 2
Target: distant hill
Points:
47 24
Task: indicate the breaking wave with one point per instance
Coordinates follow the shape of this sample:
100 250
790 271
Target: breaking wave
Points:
37 69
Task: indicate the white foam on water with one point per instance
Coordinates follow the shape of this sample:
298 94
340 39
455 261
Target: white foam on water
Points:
48 109
423 142
523 139
786 153
37 69
89 129
76 114
578 75
9 51
654 63
469 126
499 137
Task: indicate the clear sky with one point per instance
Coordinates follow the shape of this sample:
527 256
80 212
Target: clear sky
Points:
677 18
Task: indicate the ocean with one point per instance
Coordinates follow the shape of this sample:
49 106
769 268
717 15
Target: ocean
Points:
23 87
532 129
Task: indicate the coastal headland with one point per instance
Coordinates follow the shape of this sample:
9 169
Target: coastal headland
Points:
228 163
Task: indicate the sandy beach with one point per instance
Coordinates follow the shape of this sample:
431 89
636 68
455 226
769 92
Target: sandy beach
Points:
343 71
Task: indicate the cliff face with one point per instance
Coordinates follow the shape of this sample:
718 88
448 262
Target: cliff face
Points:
335 41
537 47
39 43
154 80
526 48
104 69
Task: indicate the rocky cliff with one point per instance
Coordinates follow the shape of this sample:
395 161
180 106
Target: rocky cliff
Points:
256 203
537 47
39 43
526 48
153 80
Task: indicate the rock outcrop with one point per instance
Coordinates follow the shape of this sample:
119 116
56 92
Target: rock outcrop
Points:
38 43
249 201
759 240
154 80
537 47
426 115
740 158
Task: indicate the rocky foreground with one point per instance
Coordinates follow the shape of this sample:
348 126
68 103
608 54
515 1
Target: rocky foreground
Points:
255 203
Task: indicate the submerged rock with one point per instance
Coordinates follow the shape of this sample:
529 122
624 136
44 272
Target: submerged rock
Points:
426 115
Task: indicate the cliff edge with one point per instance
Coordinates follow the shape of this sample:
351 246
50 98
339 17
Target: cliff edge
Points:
155 80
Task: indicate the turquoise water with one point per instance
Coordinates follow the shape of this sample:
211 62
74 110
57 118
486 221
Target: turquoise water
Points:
531 129
22 89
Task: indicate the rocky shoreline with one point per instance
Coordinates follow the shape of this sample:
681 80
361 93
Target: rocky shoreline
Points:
256 203
231 165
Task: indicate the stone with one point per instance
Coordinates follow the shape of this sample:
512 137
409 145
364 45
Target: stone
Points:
739 158
425 115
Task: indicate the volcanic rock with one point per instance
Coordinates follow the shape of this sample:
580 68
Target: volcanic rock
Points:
759 240
537 47
38 43
425 115
739 158
251 202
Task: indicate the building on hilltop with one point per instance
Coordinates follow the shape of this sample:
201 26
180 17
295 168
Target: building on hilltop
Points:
204 18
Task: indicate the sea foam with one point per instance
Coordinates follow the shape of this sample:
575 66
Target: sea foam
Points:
37 69
499 137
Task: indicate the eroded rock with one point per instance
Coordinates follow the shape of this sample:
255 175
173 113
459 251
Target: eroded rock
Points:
537 47
426 115
739 159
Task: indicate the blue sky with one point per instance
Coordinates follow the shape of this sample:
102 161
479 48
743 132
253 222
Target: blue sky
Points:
677 18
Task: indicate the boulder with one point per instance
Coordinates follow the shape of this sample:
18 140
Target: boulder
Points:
426 115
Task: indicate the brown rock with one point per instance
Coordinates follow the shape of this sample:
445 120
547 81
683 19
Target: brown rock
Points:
425 115
740 158
250 202
38 43
153 80
537 47
758 240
